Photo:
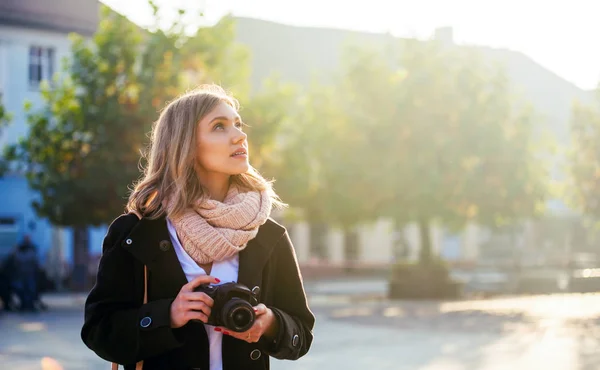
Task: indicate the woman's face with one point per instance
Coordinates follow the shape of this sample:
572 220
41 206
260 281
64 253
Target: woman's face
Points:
221 144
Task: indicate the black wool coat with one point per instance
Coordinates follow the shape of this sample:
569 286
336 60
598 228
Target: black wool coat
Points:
114 308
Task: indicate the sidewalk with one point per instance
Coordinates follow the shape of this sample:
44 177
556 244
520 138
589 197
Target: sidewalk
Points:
550 332
64 300
352 287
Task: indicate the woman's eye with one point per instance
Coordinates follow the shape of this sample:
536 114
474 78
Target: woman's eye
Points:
218 126
239 124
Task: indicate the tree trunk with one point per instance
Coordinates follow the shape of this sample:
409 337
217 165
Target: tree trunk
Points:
425 252
79 277
350 246
318 245
400 247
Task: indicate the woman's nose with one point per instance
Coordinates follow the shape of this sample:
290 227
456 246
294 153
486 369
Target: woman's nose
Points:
240 136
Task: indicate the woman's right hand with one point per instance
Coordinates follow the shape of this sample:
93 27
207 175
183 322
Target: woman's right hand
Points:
190 305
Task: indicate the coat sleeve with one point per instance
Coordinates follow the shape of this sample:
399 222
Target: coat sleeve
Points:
114 310
290 306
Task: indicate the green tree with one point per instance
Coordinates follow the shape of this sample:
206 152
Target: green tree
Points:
331 146
319 170
296 162
365 96
5 118
267 112
464 147
584 158
419 133
211 56
83 146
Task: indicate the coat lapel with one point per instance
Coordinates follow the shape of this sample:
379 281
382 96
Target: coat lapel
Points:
256 254
150 243
252 272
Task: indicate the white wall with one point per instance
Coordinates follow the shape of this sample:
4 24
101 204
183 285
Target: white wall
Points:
299 234
14 72
15 195
376 242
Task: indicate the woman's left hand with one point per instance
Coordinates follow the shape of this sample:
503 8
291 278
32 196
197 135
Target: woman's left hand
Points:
265 323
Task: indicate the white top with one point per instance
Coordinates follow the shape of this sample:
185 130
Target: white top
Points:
226 271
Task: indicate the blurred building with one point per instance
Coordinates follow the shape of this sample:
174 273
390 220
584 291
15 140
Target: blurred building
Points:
33 41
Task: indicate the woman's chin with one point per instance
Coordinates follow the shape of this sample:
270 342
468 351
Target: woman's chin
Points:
243 168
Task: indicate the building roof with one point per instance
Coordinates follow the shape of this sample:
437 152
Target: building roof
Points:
67 16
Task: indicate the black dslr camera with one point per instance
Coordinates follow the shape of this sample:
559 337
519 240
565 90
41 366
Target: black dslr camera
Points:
233 305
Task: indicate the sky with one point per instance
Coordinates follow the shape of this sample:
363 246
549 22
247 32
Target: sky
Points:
561 35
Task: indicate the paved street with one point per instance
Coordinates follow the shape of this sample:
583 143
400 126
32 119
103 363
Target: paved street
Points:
556 332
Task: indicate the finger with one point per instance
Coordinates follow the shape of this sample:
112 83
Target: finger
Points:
260 309
224 330
241 336
196 315
204 279
198 306
247 336
198 297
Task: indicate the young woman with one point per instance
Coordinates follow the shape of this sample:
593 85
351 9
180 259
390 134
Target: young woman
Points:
199 216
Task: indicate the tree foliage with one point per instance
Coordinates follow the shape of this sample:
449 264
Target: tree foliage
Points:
267 112
419 133
584 158
5 117
81 143
466 143
84 144
416 132
83 148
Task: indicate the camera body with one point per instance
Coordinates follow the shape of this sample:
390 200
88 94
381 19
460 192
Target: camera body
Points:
233 305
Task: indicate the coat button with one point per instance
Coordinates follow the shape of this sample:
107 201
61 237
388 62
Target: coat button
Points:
164 245
128 241
255 355
145 322
295 340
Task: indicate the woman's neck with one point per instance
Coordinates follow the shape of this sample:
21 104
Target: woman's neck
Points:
217 188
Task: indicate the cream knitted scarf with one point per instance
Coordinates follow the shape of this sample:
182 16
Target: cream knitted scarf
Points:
214 231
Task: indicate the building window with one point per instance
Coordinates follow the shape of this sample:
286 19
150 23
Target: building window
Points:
41 65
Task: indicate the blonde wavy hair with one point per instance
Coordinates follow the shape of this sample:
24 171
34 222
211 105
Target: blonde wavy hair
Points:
171 158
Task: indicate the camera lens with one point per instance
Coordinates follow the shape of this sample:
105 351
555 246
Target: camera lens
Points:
238 315
241 317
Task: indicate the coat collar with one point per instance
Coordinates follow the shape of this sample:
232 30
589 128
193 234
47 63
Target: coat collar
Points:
254 257
150 243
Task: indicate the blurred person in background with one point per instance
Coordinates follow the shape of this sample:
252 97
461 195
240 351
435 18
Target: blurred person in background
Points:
24 274
44 284
200 215
5 284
